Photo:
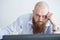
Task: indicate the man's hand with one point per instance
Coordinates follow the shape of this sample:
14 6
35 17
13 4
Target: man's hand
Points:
51 17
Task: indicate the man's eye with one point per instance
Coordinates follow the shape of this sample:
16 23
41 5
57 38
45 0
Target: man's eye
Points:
45 16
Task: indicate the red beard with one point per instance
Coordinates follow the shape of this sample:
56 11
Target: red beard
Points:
38 28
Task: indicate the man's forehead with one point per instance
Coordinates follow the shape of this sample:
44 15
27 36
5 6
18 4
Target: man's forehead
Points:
41 11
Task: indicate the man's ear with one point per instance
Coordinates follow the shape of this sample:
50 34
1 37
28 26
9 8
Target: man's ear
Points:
49 14
33 11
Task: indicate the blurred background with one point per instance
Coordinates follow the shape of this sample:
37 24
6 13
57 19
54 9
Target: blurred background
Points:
10 10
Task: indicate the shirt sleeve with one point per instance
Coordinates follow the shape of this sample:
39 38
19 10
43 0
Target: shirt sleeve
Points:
11 29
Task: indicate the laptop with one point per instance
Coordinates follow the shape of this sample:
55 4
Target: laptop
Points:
32 37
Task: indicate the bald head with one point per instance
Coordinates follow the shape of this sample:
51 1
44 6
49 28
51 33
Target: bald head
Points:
41 4
41 7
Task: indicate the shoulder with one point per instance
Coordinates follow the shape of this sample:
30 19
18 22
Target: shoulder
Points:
25 17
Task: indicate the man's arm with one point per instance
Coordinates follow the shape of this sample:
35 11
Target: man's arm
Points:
52 19
12 29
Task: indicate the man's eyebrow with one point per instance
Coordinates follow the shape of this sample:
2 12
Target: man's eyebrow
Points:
40 15
37 14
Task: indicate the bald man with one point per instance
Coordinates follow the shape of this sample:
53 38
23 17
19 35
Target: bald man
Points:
41 18
38 22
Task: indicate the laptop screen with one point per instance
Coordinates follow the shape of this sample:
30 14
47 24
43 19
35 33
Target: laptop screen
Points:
32 37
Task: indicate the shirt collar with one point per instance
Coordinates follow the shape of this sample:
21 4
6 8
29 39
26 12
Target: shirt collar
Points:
48 23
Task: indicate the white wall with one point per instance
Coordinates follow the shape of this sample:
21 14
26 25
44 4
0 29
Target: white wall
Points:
10 10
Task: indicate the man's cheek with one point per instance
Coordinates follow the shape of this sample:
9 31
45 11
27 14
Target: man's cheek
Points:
36 20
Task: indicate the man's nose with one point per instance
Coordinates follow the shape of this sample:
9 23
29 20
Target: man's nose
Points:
40 18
